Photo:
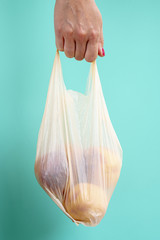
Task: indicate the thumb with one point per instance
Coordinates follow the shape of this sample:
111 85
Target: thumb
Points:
101 52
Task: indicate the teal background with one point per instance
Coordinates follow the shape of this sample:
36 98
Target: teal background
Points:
130 77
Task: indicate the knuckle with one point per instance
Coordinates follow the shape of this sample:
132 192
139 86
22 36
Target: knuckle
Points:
94 35
80 35
68 32
58 30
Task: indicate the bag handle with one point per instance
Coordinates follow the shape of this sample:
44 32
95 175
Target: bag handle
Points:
93 81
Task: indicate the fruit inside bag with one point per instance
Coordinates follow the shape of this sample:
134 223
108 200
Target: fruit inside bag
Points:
79 157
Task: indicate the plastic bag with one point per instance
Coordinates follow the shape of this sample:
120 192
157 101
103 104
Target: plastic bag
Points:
79 157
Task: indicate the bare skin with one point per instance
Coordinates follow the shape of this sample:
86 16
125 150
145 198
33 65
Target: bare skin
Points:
78 29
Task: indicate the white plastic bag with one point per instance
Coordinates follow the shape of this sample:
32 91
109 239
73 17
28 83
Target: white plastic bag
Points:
79 157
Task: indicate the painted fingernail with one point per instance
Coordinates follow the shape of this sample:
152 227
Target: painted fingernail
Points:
103 52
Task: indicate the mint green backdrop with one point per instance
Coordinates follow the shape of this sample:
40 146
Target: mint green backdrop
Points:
130 77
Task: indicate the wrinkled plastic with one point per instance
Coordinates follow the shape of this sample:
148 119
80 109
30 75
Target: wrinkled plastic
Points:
79 157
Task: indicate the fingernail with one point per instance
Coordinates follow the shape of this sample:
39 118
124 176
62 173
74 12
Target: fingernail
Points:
103 52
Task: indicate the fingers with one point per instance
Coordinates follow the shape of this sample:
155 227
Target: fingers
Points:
60 43
80 39
59 40
69 47
100 45
92 47
79 48
92 51
80 51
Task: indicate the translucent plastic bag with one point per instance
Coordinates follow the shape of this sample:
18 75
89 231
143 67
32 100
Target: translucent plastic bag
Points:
79 157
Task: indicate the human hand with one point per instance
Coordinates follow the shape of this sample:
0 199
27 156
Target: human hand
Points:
78 29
